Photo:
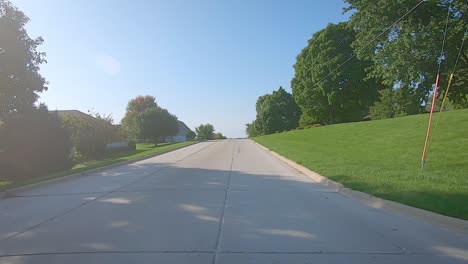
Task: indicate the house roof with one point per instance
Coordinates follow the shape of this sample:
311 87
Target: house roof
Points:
182 124
63 113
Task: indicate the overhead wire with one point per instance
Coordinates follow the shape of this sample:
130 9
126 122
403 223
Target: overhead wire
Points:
444 101
371 41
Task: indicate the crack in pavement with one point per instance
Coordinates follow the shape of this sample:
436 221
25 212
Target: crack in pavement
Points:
220 228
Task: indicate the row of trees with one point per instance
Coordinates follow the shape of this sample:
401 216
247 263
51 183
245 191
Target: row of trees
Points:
207 132
349 71
144 119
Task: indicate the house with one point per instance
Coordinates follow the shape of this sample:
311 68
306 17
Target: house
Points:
181 135
76 113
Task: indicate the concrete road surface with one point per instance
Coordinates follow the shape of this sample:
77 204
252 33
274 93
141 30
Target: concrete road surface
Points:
214 202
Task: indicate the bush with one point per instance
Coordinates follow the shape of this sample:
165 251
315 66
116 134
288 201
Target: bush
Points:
191 135
90 135
34 144
393 103
131 145
219 136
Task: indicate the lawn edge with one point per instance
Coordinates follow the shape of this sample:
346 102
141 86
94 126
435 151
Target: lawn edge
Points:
446 222
11 192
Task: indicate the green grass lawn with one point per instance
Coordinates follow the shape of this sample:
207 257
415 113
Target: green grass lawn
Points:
142 150
383 158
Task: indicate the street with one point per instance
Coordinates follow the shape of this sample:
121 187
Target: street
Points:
223 201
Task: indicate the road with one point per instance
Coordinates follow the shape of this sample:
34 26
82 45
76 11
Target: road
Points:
214 202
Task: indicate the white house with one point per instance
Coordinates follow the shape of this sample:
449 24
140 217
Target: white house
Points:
181 134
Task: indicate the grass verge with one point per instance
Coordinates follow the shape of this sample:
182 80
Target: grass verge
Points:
142 150
383 158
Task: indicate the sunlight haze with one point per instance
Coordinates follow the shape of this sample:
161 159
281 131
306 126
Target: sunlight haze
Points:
205 61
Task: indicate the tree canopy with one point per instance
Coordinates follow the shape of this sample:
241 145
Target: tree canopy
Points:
205 132
406 56
156 123
276 112
20 60
219 136
144 119
327 85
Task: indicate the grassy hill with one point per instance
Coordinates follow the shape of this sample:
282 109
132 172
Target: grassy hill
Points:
383 158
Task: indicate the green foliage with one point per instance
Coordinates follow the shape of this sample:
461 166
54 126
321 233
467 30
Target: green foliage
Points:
342 95
251 129
140 103
90 135
383 158
191 135
406 56
145 119
219 136
34 143
20 80
132 118
131 145
458 94
205 132
393 103
276 112
307 121
156 123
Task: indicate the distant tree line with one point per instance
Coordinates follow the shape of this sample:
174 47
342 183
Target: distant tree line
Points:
207 132
348 72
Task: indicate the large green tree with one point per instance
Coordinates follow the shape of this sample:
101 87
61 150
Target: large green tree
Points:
327 85
144 119
276 112
156 123
406 56
205 132
20 81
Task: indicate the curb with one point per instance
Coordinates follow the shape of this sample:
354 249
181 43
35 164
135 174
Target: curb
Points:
443 221
11 192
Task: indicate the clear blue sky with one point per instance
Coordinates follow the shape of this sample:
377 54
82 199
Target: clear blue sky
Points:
205 61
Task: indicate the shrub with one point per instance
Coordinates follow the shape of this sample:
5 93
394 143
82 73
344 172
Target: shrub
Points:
34 144
219 136
393 103
191 135
131 145
90 135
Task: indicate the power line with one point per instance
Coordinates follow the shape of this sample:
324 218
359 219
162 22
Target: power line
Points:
370 42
